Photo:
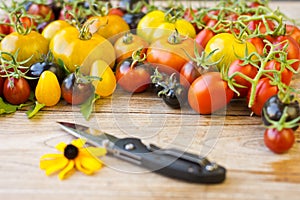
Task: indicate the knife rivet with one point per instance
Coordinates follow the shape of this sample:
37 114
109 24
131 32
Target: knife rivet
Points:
129 146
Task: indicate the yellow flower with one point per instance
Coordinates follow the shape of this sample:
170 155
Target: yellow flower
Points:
75 156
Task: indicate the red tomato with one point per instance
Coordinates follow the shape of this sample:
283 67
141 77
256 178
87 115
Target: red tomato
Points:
209 93
116 11
264 90
209 16
258 43
16 90
42 10
258 24
248 70
26 22
204 36
293 50
293 31
4 26
279 141
286 75
133 78
188 74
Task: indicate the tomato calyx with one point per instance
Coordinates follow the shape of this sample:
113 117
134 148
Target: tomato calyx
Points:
127 38
175 37
203 61
138 57
11 67
169 88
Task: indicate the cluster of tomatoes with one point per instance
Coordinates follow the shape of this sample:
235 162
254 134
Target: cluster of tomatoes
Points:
80 50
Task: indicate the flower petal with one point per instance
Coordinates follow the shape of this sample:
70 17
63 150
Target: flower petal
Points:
51 156
79 142
93 151
67 171
45 163
59 164
81 168
61 146
90 163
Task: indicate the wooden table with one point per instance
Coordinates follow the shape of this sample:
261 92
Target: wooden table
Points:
232 138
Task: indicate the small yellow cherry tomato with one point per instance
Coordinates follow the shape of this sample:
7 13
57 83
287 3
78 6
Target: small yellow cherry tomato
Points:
156 24
107 85
48 90
228 48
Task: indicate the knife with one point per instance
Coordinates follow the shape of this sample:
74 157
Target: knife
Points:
173 163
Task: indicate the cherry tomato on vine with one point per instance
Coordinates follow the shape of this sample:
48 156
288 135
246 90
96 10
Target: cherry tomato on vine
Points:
4 26
248 70
258 43
286 75
264 90
209 93
293 31
107 85
293 49
261 26
204 36
48 90
74 91
228 48
16 90
279 141
42 10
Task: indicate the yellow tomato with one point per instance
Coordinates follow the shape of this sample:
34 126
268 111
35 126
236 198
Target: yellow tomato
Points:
110 27
107 85
48 90
228 48
76 50
155 24
32 45
52 28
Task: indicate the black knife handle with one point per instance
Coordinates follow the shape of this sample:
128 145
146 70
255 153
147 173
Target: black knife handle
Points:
169 165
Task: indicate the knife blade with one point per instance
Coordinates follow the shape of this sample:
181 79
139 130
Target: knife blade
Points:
173 163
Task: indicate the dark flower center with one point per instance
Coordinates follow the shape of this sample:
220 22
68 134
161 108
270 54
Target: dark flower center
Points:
71 151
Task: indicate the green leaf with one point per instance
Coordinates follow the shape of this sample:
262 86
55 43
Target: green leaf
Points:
6 108
35 109
87 107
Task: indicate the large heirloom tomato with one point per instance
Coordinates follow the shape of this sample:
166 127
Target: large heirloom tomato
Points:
31 45
171 55
156 24
76 48
228 48
209 93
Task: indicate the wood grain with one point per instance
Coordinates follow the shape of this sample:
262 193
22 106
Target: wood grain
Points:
230 137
